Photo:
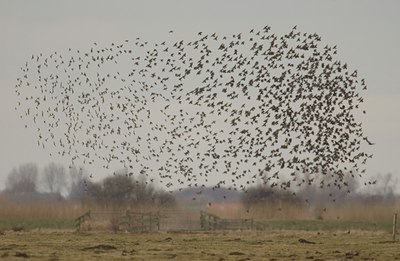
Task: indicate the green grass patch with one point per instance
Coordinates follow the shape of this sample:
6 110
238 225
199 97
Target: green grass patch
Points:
329 225
26 224
302 225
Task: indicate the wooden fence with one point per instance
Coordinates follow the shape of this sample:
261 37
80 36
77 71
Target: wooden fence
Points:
136 221
128 221
177 220
210 221
81 219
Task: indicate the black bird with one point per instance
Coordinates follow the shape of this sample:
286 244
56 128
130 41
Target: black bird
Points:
217 107
369 143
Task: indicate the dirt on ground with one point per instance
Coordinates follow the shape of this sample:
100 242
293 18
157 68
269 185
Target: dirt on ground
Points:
227 245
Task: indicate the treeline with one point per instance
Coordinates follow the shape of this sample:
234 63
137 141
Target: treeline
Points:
26 184
57 183
312 193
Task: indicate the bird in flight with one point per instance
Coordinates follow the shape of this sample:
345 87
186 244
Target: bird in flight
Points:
231 109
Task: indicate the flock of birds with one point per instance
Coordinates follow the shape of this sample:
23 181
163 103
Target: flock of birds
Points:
229 110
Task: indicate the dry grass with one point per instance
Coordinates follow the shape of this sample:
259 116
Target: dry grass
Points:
272 245
62 209
62 215
290 211
48 210
354 211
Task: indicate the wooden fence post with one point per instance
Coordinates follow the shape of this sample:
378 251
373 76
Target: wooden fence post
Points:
202 220
142 221
394 226
81 219
158 220
129 218
151 221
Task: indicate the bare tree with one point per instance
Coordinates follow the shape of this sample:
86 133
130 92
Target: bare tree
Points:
54 178
78 183
144 191
164 199
263 193
23 179
118 189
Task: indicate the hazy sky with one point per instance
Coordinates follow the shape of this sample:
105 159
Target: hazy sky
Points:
366 32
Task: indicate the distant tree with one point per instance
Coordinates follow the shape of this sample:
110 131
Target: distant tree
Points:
78 183
118 189
23 179
164 198
386 184
382 188
261 194
325 188
54 178
93 192
121 189
144 191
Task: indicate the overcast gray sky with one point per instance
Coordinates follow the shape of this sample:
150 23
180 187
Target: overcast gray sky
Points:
366 32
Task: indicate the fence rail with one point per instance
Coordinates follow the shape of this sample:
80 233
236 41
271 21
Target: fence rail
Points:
136 221
130 221
210 221
168 220
81 219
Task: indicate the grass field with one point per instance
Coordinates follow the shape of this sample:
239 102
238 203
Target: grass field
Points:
36 223
304 225
49 234
245 245
329 225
